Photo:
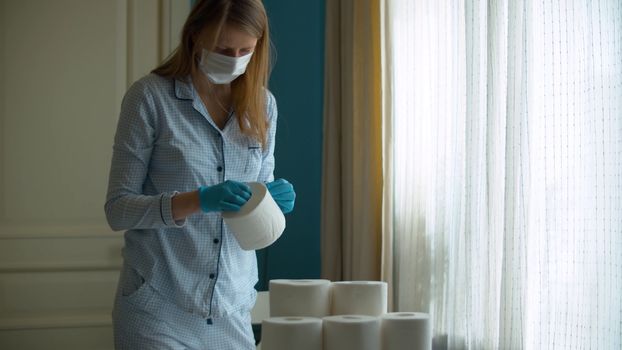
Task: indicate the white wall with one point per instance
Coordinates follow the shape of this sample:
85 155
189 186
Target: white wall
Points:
64 67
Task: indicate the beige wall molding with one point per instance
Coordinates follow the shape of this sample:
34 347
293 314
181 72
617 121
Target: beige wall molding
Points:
77 320
64 76
55 266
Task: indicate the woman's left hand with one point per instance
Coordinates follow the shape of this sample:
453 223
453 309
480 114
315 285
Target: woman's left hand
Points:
283 194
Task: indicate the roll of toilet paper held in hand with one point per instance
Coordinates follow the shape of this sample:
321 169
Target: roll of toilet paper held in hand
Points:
351 332
291 333
302 297
259 222
359 297
406 330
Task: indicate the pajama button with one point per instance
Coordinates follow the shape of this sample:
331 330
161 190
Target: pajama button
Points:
216 240
219 168
211 275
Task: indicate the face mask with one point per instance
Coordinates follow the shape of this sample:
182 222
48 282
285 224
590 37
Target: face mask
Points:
221 69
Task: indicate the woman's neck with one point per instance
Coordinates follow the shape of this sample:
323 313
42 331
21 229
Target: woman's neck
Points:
215 97
209 90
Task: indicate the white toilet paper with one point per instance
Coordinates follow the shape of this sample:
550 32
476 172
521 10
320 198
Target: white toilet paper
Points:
300 298
291 333
359 297
259 222
406 330
351 332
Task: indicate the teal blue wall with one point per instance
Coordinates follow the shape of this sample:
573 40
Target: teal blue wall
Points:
297 29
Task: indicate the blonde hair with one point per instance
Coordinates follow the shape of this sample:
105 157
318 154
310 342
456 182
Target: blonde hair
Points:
248 91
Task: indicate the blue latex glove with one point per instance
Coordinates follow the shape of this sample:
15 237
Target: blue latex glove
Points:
226 196
283 194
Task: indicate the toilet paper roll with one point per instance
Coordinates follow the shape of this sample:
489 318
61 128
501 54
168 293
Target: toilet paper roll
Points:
300 298
351 332
359 297
406 330
289 333
259 222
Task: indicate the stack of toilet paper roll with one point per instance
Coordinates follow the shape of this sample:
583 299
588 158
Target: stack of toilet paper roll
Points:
320 314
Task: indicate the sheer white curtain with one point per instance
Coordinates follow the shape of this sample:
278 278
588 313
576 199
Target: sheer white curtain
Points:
504 158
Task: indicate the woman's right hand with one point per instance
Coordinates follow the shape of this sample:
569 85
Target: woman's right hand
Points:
226 196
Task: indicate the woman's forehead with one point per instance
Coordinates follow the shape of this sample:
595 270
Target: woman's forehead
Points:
235 37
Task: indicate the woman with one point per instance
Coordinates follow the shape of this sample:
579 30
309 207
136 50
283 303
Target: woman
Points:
190 135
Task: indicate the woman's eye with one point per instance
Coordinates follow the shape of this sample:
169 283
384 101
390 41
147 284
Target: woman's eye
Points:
232 52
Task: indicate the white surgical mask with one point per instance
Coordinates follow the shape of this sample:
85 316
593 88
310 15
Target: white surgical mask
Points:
221 69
